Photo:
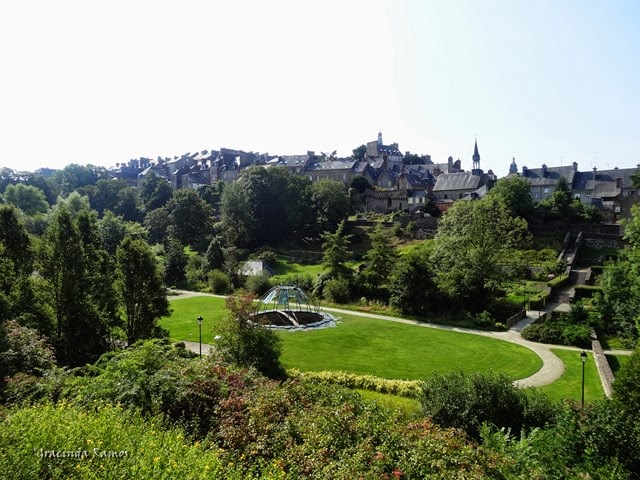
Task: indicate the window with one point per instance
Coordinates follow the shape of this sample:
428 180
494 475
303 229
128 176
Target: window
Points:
576 196
546 190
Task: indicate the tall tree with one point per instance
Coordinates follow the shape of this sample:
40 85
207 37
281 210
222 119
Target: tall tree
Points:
330 202
79 335
30 200
336 252
380 257
473 238
155 192
139 284
237 219
191 218
516 194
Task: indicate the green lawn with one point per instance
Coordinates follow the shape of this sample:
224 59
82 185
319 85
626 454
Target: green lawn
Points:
284 267
182 323
570 384
368 346
399 351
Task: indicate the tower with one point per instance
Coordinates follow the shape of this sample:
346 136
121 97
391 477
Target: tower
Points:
513 168
379 139
476 157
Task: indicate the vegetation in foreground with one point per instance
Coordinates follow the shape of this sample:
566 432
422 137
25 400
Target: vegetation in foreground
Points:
241 424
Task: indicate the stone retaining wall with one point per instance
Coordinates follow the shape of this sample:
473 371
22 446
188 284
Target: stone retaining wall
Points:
606 374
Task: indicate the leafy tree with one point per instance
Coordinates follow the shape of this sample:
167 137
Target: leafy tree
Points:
175 262
246 343
74 203
380 257
15 239
157 223
139 285
214 257
78 335
413 288
473 238
128 205
360 184
559 203
359 153
237 220
74 176
155 192
336 252
29 199
114 229
330 202
516 194
212 194
104 195
191 218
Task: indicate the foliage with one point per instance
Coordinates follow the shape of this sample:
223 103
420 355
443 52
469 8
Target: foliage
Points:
244 343
219 282
515 192
336 252
23 349
105 443
413 288
191 218
78 327
330 202
380 257
472 236
29 199
175 263
139 285
258 284
562 328
155 192
468 400
337 290
403 388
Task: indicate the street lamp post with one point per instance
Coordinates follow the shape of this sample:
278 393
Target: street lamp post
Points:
200 330
583 357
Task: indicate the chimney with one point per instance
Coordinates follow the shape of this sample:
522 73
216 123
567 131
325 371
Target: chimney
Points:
594 172
450 165
544 170
575 167
618 182
524 171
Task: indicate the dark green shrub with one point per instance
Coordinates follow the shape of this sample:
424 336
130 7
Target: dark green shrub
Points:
467 400
219 282
337 290
258 284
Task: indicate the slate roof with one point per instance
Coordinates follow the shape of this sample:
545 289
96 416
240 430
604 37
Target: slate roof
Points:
536 179
457 181
334 165
585 180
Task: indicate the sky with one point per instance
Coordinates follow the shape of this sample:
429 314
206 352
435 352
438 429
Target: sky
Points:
544 81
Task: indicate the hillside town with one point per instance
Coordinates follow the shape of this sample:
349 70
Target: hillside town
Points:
400 181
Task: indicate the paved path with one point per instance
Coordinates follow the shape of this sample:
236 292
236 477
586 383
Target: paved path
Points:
551 370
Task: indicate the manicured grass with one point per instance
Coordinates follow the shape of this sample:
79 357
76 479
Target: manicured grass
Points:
616 362
364 346
399 351
570 384
284 267
182 323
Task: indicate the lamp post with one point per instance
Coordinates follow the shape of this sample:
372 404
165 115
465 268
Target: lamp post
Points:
200 329
583 357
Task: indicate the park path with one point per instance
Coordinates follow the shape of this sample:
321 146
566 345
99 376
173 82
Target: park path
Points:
552 367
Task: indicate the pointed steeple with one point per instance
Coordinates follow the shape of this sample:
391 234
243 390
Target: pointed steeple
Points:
476 157
513 168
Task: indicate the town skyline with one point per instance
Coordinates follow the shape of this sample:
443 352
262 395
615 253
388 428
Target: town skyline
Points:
544 83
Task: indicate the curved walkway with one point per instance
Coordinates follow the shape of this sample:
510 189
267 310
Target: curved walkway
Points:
551 370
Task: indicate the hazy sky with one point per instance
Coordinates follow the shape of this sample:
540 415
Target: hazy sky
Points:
542 81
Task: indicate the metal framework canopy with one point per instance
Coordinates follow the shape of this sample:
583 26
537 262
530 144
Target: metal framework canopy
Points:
287 305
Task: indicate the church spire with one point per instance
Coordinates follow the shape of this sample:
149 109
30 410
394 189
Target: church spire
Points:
476 157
